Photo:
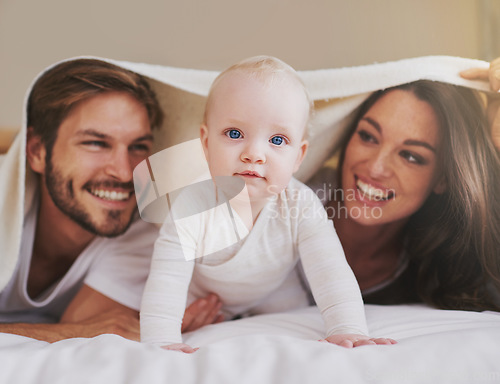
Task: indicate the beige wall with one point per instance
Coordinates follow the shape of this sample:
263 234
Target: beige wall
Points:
211 34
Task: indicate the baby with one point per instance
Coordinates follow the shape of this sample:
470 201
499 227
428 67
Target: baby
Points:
254 132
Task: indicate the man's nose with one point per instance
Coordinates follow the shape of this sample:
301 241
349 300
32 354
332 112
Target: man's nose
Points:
119 165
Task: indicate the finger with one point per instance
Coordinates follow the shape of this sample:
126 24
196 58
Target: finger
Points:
188 349
475 74
213 300
495 78
197 322
219 319
192 313
495 68
495 62
180 347
208 314
346 344
492 74
213 308
214 314
384 341
494 119
362 342
495 74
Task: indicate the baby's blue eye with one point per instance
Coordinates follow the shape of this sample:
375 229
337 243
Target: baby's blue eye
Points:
233 134
277 140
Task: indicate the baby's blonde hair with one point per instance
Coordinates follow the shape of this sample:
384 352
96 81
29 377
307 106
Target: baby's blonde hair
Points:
268 69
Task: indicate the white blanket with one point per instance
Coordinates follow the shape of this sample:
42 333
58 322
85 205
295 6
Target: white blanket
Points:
181 92
434 346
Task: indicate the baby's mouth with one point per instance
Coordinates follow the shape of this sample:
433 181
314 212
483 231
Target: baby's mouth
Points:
372 193
250 174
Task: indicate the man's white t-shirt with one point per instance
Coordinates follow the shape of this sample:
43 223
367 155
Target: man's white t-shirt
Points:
116 267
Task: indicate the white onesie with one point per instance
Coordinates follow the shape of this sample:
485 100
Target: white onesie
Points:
245 274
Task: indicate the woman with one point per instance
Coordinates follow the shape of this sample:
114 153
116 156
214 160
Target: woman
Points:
419 175
417 213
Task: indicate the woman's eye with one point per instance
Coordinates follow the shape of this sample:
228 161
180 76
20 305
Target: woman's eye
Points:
233 134
366 137
277 140
412 158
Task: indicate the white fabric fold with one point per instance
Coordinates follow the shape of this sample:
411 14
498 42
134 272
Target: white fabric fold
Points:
181 92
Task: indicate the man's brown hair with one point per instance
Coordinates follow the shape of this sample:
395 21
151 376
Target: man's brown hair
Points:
62 87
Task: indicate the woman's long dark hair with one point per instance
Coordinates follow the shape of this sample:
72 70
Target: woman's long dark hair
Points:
454 238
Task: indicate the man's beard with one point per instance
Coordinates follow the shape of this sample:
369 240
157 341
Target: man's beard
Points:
62 193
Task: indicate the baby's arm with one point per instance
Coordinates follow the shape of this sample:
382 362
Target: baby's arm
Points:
164 299
333 283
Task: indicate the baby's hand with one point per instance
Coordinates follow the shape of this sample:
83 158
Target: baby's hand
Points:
180 347
351 340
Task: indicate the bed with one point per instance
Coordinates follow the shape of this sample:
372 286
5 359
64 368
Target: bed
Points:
434 346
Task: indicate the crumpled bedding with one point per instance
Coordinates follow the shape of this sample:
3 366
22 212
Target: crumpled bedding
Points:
434 346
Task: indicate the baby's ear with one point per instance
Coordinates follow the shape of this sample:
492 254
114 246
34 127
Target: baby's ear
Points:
304 145
35 151
204 138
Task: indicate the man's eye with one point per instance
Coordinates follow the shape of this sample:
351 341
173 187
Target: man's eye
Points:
95 143
233 134
140 148
277 140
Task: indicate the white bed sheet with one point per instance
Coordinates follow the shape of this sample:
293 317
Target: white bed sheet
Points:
435 346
